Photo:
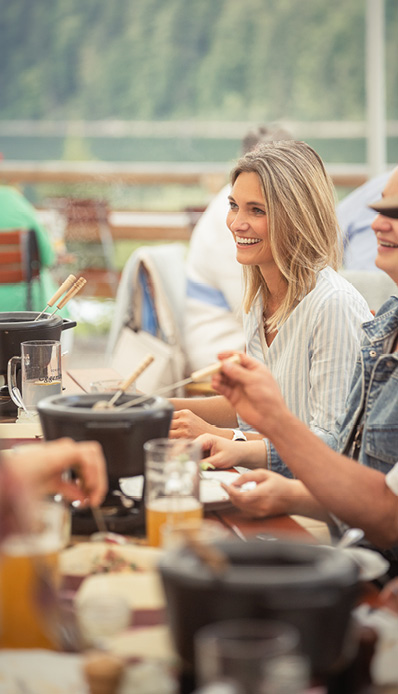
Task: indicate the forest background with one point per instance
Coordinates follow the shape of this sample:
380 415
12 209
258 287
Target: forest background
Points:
183 60
180 80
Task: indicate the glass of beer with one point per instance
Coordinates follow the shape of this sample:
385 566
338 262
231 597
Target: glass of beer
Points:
172 494
29 580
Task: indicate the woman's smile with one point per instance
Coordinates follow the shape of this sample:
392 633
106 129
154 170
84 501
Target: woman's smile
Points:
246 241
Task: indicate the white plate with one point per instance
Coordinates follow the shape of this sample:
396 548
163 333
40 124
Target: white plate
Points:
212 495
371 564
83 558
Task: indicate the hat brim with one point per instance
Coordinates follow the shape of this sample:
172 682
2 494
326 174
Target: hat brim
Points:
387 206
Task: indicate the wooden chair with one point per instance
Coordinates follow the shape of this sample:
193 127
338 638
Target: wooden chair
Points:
89 238
19 259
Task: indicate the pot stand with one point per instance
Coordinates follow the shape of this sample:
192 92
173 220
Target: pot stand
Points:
121 514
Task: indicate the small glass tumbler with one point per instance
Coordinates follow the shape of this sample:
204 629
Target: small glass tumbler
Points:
172 494
239 650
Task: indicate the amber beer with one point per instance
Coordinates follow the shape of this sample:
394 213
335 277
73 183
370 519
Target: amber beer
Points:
170 511
29 580
172 485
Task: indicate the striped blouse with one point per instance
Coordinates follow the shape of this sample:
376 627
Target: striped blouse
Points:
313 354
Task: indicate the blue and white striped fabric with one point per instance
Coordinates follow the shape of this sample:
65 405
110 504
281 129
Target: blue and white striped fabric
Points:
313 355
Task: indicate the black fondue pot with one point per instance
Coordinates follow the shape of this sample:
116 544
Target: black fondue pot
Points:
307 586
122 435
20 326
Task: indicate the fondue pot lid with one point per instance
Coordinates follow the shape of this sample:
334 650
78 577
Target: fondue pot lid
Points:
25 320
80 407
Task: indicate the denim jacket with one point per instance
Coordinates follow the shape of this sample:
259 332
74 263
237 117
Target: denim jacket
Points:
373 400
372 406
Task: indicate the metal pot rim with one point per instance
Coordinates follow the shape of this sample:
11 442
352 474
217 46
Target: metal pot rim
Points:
9 320
67 406
326 570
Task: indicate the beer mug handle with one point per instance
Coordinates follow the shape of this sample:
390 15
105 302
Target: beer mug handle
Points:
15 393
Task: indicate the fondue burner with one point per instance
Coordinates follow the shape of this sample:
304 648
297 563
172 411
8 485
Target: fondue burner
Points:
121 514
122 434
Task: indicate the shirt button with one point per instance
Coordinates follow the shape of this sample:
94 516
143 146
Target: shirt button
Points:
372 353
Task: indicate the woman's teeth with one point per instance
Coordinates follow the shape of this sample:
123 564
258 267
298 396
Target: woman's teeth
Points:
388 245
241 239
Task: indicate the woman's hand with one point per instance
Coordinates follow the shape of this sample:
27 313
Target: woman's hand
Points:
223 454
272 495
187 425
252 391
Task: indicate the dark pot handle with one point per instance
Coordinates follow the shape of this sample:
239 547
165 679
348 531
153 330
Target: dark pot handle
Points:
66 324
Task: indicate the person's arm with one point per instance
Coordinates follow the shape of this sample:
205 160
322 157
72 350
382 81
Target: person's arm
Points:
195 416
215 409
213 415
357 495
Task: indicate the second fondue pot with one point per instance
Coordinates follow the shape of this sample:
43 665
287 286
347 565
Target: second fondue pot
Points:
304 585
17 327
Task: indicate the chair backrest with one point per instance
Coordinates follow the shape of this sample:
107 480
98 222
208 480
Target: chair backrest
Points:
19 259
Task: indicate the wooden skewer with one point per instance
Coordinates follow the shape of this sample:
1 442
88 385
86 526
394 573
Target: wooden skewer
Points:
194 377
72 292
137 372
62 289
211 556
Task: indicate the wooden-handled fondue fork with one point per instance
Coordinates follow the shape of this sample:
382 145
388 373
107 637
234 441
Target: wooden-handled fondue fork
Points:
71 286
195 377
62 289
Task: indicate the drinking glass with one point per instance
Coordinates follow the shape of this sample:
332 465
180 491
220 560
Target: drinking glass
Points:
239 650
40 363
30 579
172 493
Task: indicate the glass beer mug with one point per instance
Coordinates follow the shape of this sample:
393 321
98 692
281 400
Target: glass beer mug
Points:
41 373
29 580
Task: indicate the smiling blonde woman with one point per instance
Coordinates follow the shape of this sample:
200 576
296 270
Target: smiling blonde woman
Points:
301 318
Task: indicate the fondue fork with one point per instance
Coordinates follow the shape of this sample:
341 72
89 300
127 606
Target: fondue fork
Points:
62 289
72 292
99 519
196 376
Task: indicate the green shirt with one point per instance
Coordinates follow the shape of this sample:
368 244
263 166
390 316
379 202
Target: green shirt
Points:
16 212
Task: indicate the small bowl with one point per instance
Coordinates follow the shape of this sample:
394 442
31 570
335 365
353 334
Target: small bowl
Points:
110 385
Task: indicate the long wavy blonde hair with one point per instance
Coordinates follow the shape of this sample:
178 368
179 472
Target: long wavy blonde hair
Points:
303 231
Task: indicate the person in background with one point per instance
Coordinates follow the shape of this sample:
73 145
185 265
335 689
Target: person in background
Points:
301 317
214 290
16 212
357 486
37 470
